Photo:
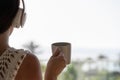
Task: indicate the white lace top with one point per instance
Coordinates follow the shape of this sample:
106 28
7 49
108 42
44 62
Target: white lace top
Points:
10 62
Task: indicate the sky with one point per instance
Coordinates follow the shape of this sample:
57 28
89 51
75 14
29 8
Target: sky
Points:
83 23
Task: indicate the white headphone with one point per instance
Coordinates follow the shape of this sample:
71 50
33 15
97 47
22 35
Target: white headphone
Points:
20 17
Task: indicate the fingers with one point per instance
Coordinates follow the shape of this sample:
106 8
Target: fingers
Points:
57 52
59 56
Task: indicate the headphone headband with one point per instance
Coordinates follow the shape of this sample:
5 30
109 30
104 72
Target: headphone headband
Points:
23 3
20 17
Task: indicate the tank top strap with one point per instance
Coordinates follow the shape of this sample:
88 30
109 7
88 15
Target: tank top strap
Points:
10 62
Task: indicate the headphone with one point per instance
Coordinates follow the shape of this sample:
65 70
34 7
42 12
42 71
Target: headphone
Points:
20 17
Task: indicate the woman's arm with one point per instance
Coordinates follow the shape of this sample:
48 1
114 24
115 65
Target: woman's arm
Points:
29 69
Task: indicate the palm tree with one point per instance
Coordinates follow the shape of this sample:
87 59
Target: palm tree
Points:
104 64
34 48
119 61
89 61
102 59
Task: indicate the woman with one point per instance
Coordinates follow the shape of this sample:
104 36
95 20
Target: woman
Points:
18 64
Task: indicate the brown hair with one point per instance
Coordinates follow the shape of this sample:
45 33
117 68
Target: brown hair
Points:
8 10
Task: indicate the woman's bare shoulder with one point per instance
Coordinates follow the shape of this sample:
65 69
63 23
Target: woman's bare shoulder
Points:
29 69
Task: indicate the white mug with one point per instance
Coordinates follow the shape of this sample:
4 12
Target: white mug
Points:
65 47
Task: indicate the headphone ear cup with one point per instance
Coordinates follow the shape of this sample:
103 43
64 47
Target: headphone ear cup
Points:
17 22
23 19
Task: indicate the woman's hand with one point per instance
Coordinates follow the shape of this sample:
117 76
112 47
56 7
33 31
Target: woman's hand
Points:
55 65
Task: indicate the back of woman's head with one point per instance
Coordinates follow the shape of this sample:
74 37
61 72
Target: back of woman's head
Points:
8 10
